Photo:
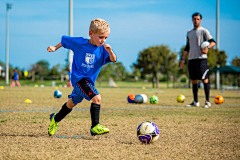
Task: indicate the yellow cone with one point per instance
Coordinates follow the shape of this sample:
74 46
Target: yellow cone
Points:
56 87
35 85
1 87
28 101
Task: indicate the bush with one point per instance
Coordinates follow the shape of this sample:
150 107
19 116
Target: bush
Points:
184 79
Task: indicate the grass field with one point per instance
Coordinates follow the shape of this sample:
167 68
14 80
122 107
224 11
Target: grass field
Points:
185 133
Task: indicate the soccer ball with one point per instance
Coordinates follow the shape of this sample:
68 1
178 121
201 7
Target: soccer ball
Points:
145 98
219 99
180 98
131 98
153 99
138 99
57 94
147 132
204 44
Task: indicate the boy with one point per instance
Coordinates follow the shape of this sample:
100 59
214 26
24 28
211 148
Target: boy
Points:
89 57
15 79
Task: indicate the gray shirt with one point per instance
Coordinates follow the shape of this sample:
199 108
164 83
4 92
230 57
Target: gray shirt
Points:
195 37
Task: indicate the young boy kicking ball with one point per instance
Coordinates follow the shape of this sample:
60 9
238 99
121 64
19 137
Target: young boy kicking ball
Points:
89 57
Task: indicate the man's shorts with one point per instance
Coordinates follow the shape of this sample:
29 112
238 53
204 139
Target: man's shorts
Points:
198 69
83 89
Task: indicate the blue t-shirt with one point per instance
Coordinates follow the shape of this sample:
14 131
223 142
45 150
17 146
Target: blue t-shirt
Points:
69 75
15 76
88 59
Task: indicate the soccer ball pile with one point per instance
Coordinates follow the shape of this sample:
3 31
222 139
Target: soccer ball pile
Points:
141 98
147 132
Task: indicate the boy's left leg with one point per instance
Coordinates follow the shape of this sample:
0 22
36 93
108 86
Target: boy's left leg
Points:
95 114
55 118
91 93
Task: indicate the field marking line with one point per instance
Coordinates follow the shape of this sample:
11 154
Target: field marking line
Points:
86 109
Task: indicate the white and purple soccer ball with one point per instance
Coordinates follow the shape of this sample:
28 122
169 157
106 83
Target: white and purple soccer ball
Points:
147 132
57 94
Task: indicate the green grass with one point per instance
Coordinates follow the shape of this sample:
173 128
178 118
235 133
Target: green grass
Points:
185 133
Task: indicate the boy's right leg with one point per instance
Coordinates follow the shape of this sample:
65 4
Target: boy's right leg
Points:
55 118
13 84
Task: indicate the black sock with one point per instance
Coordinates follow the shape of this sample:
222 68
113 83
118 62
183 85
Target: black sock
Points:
62 113
195 92
95 113
207 90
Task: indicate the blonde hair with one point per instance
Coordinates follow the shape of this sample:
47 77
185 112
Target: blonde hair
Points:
99 25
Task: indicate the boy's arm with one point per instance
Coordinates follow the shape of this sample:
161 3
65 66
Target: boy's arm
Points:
54 48
112 56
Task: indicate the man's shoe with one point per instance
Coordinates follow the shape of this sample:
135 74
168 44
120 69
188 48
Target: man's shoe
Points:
53 127
193 104
98 129
207 104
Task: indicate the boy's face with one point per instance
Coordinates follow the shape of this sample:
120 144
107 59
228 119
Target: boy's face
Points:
98 39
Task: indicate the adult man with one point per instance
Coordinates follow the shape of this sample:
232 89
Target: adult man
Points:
197 65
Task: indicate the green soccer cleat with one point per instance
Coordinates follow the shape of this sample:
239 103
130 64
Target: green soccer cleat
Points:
98 129
53 127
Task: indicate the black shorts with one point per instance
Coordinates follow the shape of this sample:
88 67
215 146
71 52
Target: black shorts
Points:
83 89
198 69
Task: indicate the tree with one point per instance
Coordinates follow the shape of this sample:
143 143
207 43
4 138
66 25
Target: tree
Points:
42 68
236 62
216 57
119 71
156 59
115 70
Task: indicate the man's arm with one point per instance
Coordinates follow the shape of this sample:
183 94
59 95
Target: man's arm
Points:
112 56
185 53
54 48
211 45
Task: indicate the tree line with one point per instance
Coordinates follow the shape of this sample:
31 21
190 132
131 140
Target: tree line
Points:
151 62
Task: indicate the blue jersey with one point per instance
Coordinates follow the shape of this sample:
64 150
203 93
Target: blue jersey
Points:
88 59
69 76
15 76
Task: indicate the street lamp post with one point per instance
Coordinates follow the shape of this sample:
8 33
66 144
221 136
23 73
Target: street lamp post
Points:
9 6
70 53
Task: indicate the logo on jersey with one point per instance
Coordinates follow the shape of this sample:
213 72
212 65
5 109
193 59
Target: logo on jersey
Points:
89 58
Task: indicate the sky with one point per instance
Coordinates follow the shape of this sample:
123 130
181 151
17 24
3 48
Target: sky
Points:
135 25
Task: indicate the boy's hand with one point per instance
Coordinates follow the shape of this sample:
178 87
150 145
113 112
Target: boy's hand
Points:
51 49
107 47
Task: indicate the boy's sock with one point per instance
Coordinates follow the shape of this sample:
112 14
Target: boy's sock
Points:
195 92
95 112
19 85
207 90
13 83
62 113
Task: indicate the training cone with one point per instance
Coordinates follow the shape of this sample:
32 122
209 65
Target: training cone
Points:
1 87
28 101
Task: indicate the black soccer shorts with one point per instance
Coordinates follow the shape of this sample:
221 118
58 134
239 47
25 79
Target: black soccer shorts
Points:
198 69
